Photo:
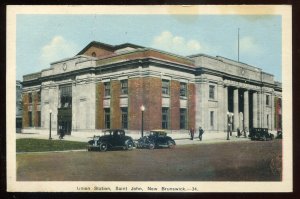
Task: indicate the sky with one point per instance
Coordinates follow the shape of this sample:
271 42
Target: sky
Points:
43 39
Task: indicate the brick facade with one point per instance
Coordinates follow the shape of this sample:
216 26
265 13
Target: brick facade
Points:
99 106
152 100
99 52
36 103
191 105
135 100
25 122
175 105
115 110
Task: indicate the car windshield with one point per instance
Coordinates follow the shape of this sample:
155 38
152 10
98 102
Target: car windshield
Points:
158 133
96 137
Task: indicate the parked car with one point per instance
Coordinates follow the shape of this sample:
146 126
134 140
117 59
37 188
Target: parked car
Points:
261 134
112 138
156 139
279 135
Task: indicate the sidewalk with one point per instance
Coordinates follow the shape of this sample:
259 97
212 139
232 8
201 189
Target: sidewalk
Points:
180 138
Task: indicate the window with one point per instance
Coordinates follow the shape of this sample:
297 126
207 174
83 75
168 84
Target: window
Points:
39 118
165 87
65 96
183 118
30 119
124 118
267 100
30 97
165 118
183 90
93 54
107 118
124 87
107 88
268 120
211 118
211 92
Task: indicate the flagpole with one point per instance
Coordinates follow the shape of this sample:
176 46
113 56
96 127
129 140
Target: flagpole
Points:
238 44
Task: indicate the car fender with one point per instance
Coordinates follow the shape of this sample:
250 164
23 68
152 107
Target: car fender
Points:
126 141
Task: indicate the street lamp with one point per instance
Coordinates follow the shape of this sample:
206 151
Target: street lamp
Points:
50 113
228 125
142 109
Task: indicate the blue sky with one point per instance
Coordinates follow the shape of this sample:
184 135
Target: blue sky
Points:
42 39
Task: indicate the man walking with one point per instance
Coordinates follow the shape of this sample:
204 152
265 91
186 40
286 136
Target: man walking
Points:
201 131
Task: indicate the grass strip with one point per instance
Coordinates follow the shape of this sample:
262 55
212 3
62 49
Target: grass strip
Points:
40 145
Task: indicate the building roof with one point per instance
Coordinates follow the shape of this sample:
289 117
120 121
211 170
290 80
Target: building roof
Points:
108 46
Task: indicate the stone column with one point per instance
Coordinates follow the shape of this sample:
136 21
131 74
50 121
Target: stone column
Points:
236 109
205 105
221 102
262 109
246 109
225 107
272 112
255 125
259 110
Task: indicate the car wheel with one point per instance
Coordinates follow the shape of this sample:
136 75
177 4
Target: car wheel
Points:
103 147
264 138
129 145
171 144
151 146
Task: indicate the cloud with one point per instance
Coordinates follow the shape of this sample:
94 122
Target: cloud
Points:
250 46
58 48
168 42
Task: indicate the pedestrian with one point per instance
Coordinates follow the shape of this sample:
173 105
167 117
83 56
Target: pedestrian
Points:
192 131
238 132
201 131
62 133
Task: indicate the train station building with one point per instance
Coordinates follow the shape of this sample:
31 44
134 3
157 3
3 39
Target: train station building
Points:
104 86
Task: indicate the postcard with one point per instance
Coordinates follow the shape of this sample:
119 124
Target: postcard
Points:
149 98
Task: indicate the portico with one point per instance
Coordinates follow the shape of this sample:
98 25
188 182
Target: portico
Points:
243 90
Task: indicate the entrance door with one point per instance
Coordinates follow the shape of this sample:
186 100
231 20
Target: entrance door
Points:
64 118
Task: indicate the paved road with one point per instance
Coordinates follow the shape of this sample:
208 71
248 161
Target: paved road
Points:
231 161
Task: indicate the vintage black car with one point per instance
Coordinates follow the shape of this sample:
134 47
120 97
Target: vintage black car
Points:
261 134
156 139
112 138
279 135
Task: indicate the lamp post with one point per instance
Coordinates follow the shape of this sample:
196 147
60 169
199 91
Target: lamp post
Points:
50 113
142 109
228 125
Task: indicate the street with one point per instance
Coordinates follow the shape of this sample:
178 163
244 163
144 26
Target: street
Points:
226 161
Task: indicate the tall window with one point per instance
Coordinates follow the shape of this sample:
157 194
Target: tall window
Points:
66 96
124 87
165 87
165 118
107 118
267 100
211 92
183 118
268 120
39 118
30 97
211 118
183 90
107 88
124 118
30 118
